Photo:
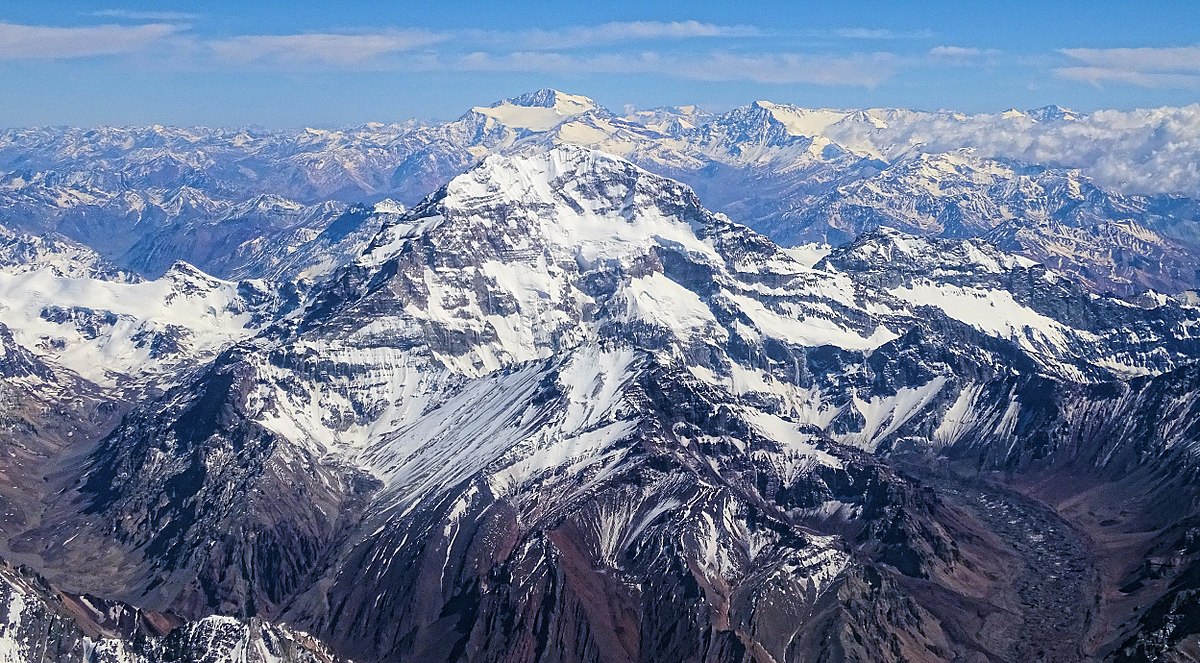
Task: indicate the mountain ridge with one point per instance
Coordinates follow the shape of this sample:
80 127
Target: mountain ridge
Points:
796 174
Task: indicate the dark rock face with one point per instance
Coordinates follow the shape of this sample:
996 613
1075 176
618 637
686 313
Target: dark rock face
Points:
168 492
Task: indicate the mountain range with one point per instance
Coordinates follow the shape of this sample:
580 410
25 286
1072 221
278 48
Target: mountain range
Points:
546 383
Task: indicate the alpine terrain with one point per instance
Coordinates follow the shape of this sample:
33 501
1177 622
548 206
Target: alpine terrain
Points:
552 383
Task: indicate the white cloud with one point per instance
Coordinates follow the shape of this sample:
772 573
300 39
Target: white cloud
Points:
1185 58
610 33
18 42
1139 151
371 48
1176 67
534 51
1150 79
137 15
961 52
880 33
864 70
553 51
320 48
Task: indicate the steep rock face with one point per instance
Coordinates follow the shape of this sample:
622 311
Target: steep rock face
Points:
692 535
1119 460
47 415
166 493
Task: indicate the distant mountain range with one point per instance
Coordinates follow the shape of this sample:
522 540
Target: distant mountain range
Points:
148 196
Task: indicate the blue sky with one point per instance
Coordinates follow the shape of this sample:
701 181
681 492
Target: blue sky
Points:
299 63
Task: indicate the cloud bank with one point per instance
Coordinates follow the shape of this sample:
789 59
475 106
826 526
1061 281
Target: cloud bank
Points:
1176 67
1139 151
32 42
568 50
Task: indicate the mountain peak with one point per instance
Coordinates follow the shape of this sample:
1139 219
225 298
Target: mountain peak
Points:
538 111
1053 113
182 271
551 98
595 204
886 249
795 120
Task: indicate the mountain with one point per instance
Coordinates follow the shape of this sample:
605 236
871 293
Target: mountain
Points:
560 410
1090 194
56 254
1058 218
244 240
145 230
109 328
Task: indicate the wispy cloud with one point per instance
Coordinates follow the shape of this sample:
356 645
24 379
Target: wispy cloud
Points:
881 33
961 52
611 33
961 56
862 70
373 47
1100 75
558 50
320 48
19 42
138 15
1175 67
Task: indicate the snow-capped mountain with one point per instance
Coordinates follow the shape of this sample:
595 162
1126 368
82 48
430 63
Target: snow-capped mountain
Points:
56 254
246 239
108 326
550 382
1058 186
560 410
145 230
1055 217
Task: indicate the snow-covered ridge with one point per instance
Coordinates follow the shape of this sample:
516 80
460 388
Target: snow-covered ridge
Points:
106 330
61 256
39 619
1111 146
